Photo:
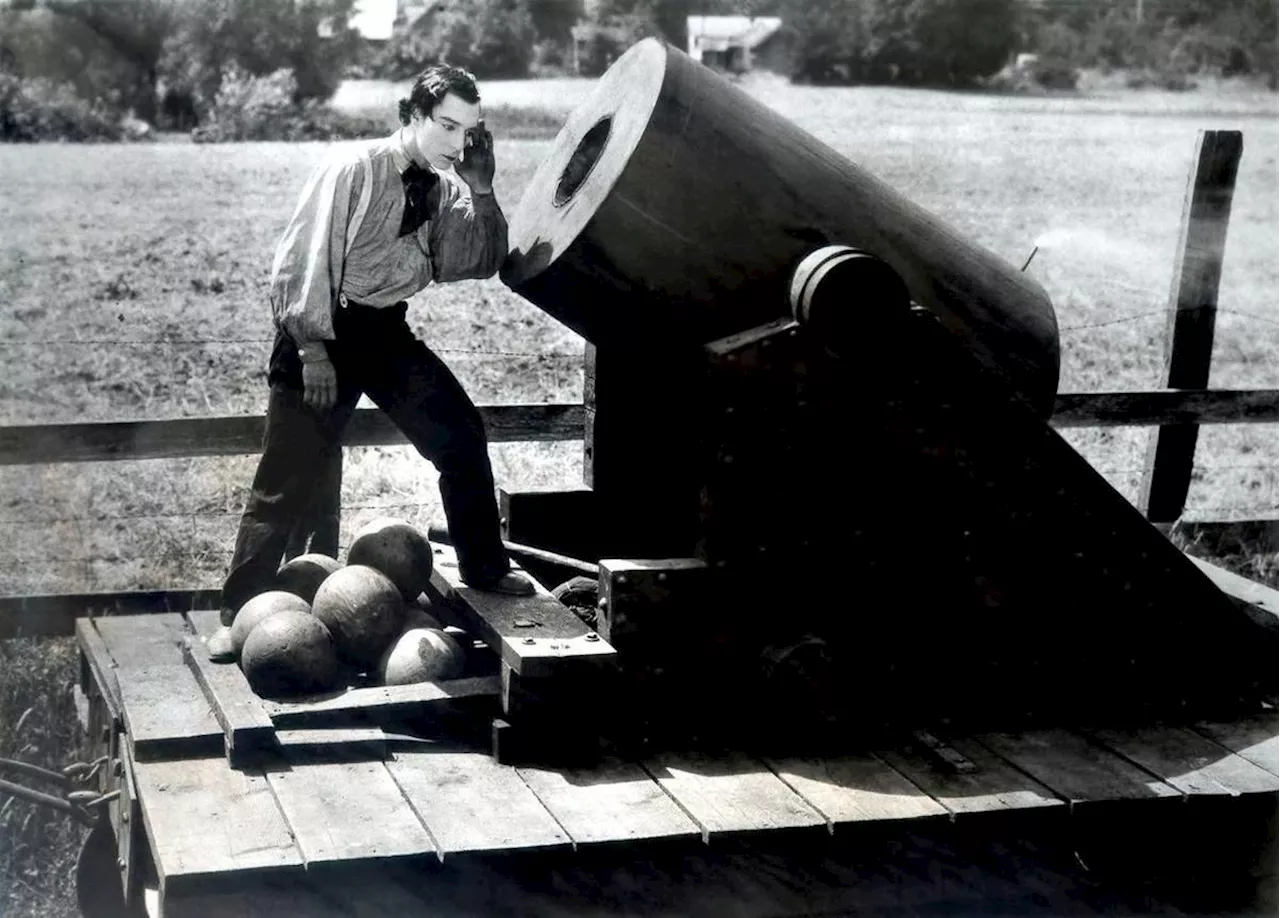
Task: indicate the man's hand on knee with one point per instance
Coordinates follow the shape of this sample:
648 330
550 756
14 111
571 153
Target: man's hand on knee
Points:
319 384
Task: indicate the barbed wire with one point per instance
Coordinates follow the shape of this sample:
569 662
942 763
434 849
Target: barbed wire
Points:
1122 319
218 342
193 514
112 342
1256 317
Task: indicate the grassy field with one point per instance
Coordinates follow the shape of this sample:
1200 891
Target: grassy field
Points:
133 285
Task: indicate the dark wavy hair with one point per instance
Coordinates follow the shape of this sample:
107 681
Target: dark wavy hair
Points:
433 84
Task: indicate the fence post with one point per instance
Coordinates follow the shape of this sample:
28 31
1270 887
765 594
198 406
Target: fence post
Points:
1193 305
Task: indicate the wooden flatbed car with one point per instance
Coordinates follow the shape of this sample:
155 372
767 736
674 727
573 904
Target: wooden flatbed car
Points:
356 821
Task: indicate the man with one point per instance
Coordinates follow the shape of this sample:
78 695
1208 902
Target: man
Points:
374 226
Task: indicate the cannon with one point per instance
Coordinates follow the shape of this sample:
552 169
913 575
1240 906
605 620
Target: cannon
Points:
818 472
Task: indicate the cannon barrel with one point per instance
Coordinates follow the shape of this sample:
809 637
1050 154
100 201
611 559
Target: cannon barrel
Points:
674 209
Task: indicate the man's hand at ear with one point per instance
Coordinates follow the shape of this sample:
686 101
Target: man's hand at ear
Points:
477 165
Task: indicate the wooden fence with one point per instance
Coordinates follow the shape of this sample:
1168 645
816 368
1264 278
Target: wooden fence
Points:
1178 410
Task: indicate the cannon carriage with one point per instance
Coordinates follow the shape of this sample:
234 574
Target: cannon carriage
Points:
861 632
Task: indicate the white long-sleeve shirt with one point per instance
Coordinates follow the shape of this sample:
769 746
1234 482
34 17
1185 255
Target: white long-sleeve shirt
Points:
467 238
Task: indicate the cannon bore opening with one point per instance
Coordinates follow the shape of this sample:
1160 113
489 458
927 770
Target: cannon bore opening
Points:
582 161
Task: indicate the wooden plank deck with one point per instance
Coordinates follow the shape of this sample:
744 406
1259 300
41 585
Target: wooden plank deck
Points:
334 804
615 801
731 794
854 789
455 794
206 821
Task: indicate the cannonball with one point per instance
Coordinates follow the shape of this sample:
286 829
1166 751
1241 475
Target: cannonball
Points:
290 653
364 611
304 574
421 655
262 607
397 549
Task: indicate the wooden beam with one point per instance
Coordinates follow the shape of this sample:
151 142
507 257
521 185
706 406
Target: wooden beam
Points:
1258 601
1192 312
236 435
55 615
1166 407
242 435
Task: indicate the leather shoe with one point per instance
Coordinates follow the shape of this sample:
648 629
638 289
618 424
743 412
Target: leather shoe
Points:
509 584
221 650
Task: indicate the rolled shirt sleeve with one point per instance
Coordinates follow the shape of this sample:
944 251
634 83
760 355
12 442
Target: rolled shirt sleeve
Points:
468 237
306 272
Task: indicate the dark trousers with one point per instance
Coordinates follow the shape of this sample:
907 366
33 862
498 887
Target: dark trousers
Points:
373 352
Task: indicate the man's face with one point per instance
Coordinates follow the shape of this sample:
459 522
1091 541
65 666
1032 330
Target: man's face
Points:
442 137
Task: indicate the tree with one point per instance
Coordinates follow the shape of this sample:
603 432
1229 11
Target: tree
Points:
136 30
309 37
828 39
553 19
960 41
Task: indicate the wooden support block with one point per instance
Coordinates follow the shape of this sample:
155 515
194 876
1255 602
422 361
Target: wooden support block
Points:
208 821
1187 761
731 794
469 803
167 714
1075 769
636 594
370 742
535 635
565 521
612 801
382 702
344 810
247 728
993 786
855 788
535 741
1258 601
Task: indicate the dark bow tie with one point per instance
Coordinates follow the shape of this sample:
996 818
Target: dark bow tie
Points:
418 185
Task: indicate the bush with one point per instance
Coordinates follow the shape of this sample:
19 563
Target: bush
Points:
1055 73
263 108
34 110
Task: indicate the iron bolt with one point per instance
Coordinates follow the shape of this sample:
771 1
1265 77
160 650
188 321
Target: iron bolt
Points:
117 768
593 637
602 604
120 863
527 641
124 815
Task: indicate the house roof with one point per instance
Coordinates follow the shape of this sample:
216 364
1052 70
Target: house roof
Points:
719 32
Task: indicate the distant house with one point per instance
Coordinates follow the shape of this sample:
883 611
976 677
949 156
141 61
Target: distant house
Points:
738 44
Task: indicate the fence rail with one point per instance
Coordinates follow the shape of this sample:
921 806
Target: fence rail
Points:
239 435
